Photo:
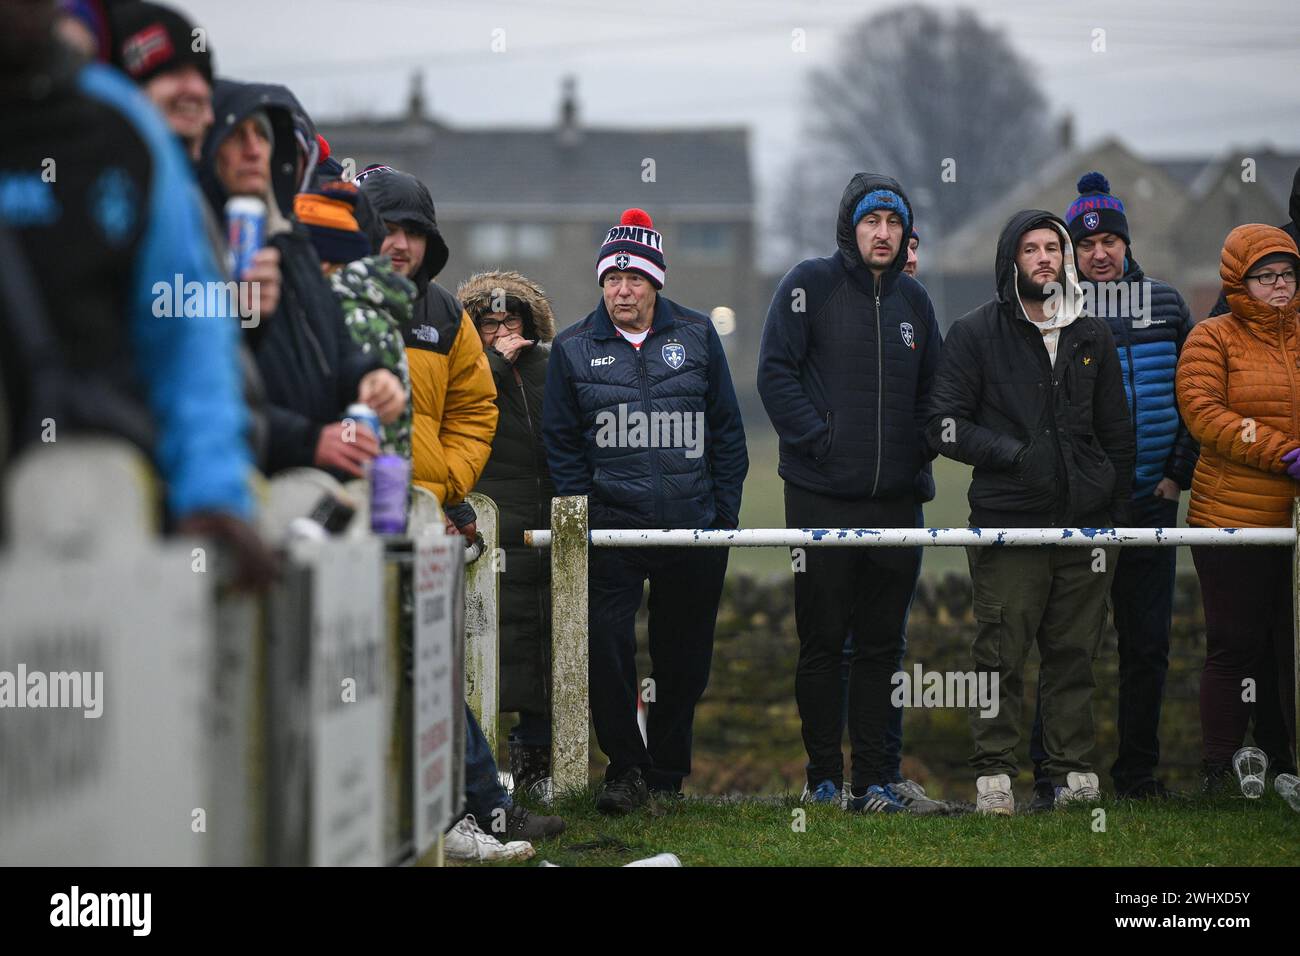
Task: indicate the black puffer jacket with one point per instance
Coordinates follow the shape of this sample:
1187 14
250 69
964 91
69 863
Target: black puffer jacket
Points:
310 365
1051 446
845 368
519 481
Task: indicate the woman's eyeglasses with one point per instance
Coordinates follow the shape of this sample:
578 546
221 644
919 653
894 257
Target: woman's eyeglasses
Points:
513 323
1269 279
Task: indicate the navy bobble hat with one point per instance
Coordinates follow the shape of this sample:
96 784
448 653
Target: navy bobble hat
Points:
1096 210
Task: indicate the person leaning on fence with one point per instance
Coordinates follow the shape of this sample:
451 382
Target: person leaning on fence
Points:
1029 391
845 367
310 365
455 414
1149 321
375 299
637 361
1239 391
516 325
81 340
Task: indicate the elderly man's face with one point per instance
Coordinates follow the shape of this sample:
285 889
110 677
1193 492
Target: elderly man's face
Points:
629 299
184 98
244 160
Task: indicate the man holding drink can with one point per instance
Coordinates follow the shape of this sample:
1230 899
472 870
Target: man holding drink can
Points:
311 366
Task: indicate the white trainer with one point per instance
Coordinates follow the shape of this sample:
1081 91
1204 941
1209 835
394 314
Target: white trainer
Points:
465 841
994 796
1080 788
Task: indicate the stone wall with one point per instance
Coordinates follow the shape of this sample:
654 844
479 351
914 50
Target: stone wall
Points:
747 728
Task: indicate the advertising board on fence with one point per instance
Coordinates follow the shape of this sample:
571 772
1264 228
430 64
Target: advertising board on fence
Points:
438 563
104 677
346 701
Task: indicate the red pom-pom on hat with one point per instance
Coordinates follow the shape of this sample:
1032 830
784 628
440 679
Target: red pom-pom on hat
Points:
324 147
636 217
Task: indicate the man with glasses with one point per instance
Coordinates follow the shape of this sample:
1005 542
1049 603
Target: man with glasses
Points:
641 416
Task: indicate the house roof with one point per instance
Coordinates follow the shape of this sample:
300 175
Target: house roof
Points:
558 171
1152 198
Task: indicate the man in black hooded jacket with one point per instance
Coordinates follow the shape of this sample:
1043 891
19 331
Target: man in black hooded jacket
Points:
311 367
1030 392
849 349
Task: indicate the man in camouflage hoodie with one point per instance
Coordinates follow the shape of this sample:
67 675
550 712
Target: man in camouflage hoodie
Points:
375 298
376 301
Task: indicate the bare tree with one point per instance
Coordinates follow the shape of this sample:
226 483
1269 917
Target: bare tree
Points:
937 100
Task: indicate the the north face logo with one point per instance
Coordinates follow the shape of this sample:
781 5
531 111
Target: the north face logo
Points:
427 333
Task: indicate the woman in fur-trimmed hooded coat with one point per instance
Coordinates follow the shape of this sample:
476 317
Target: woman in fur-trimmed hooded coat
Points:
518 480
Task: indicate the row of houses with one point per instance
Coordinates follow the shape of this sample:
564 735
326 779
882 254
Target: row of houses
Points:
541 198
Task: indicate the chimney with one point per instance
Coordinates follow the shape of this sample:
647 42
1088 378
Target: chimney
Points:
568 132
415 103
1066 132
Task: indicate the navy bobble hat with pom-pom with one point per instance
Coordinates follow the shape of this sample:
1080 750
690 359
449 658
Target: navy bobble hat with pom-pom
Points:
633 246
1096 210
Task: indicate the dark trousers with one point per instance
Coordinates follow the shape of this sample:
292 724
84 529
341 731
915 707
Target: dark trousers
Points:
893 768
863 590
1142 596
1055 598
1248 620
685 587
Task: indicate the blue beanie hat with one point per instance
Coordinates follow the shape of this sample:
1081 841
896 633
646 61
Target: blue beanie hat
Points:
1096 210
881 199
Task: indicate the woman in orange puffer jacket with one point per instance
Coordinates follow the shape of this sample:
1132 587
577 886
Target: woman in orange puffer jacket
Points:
1239 391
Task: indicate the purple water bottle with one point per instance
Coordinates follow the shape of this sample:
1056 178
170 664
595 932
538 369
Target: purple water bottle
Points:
390 479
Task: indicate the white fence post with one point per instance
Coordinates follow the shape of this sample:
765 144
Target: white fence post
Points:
482 623
1295 607
569 734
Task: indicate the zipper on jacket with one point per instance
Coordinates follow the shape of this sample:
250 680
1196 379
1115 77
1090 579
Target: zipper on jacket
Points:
654 458
880 387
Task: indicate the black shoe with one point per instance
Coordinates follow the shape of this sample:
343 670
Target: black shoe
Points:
528 765
1218 780
1044 797
522 825
623 794
1150 790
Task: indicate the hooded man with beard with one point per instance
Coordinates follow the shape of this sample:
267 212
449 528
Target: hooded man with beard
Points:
452 392
1030 393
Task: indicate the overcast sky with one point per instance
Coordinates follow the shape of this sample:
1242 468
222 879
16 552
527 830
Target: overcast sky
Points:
1179 77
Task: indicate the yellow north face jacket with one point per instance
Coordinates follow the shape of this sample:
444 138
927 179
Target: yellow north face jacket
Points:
452 396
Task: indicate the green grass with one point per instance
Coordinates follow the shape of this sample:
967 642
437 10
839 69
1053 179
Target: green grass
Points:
706 832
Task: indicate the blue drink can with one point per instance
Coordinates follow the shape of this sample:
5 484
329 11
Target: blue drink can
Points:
245 231
365 415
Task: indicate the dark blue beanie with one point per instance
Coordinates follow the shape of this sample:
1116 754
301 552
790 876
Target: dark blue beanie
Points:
882 199
1096 210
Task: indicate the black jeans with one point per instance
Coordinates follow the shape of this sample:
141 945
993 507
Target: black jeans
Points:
867 591
685 587
1142 597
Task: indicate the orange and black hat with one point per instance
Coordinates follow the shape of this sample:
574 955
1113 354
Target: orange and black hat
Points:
330 215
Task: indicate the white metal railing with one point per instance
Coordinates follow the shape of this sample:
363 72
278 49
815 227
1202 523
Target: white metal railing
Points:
570 539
